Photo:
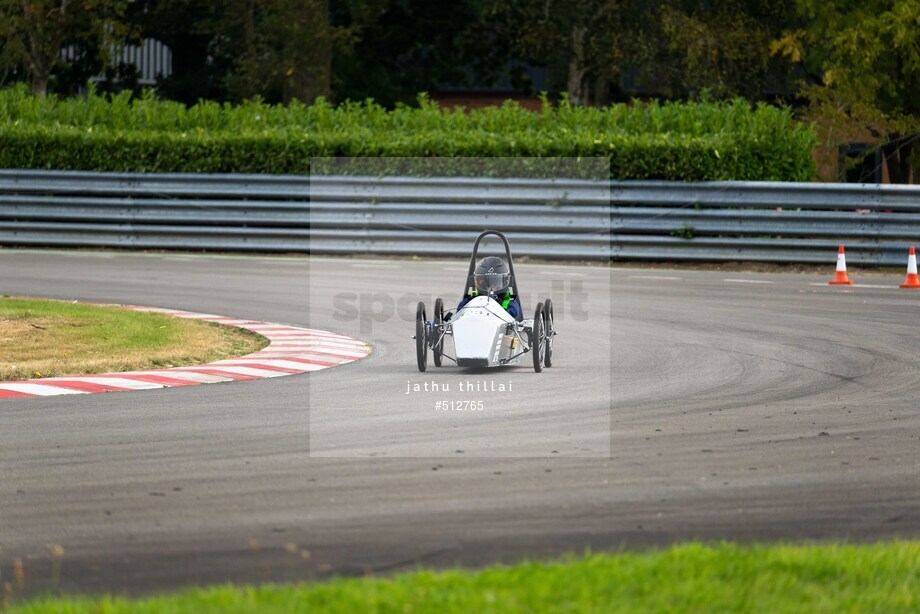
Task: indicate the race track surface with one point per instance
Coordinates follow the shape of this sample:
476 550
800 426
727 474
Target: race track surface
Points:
715 405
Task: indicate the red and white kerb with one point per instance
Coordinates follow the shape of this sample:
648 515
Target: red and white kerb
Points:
291 350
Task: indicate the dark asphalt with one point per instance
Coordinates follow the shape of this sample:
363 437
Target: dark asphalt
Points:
688 405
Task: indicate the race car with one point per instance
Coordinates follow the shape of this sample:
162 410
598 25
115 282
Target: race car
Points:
487 329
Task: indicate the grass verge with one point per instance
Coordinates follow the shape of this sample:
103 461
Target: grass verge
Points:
45 338
883 577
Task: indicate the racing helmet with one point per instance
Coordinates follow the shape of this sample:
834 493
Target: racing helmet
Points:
492 274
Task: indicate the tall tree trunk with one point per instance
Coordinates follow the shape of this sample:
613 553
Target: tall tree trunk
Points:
44 27
38 84
252 76
309 53
578 71
601 91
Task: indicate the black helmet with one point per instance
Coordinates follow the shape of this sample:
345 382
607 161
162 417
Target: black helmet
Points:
492 274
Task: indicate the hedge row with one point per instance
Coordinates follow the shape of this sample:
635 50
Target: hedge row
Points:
692 142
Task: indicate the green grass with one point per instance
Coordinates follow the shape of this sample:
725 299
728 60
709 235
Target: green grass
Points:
46 338
882 577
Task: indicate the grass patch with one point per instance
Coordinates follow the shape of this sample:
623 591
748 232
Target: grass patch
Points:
45 338
882 577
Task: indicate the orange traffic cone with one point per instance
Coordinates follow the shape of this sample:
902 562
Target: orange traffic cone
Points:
840 278
912 280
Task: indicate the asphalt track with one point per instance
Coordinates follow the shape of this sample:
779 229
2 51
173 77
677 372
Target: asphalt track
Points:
715 405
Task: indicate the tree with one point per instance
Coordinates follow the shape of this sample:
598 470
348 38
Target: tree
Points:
722 48
670 48
398 48
34 32
867 51
283 48
188 29
280 50
586 40
861 61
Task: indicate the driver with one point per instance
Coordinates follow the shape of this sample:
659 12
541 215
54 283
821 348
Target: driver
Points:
492 277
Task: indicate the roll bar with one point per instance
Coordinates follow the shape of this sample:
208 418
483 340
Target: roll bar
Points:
471 283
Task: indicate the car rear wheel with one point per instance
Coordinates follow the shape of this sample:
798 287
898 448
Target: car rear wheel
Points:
538 338
421 341
437 349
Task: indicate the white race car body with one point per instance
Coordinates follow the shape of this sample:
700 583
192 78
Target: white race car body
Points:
485 335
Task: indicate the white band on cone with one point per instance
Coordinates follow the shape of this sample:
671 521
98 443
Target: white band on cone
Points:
912 264
841 262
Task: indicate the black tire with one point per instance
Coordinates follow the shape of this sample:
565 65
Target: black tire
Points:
421 342
538 338
550 330
437 350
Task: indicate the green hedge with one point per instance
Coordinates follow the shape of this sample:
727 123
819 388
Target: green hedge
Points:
692 141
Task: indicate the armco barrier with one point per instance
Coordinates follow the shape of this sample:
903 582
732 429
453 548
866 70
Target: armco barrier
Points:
649 220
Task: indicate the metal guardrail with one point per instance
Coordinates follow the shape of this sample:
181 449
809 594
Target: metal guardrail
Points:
654 220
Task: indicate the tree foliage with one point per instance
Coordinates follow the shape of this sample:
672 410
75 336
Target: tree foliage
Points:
723 47
34 32
584 39
856 64
282 48
402 47
237 49
865 51
861 67
603 49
